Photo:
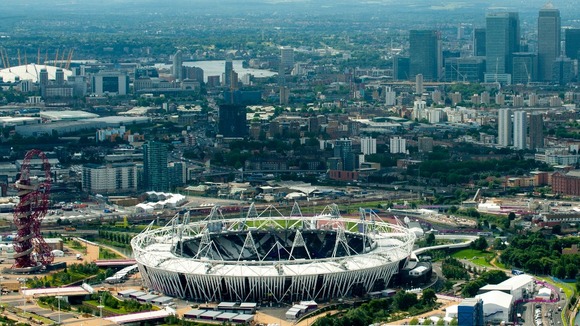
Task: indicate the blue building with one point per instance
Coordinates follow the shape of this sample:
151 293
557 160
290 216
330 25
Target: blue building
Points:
470 312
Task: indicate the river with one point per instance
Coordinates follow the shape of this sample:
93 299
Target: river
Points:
218 67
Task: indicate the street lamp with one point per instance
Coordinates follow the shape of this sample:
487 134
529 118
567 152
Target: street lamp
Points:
58 297
22 288
100 314
100 306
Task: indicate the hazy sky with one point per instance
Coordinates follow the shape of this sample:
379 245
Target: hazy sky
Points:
569 8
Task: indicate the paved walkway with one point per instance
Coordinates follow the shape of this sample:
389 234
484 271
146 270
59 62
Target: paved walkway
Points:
438 312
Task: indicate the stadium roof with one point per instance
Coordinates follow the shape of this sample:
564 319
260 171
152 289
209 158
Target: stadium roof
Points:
30 72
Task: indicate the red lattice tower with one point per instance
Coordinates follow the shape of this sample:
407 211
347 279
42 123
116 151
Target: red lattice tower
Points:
31 250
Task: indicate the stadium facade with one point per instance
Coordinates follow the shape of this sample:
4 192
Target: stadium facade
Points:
270 256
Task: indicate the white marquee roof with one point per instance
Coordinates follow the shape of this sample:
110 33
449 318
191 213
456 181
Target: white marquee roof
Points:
30 72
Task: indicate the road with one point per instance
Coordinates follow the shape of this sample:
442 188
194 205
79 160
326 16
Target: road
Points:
550 314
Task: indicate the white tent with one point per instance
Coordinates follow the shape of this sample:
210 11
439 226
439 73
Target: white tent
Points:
57 253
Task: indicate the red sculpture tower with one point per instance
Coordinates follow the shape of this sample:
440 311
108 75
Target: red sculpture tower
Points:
31 251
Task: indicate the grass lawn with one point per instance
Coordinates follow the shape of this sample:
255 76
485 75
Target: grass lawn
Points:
105 253
120 311
96 303
477 257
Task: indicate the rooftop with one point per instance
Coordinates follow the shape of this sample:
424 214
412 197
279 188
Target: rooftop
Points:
133 318
517 281
498 298
30 72
67 115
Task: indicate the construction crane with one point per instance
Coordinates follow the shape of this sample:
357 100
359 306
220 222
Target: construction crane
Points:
68 60
459 74
528 74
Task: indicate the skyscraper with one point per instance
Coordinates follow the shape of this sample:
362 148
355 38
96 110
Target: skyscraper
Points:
501 41
228 71
536 131
479 42
572 38
520 129
562 70
155 172
504 127
548 40
177 67
425 54
401 68
232 121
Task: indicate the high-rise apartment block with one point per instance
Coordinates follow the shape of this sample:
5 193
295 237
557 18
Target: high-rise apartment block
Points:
343 151
398 145
520 129
536 131
368 145
155 171
286 57
504 131
177 66
110 179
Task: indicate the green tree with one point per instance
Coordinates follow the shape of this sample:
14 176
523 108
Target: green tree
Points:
430 239
479 244
429 297
404 300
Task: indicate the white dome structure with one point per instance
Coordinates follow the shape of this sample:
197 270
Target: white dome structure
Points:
30 72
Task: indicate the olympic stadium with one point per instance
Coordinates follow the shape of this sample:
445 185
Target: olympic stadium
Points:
270 256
